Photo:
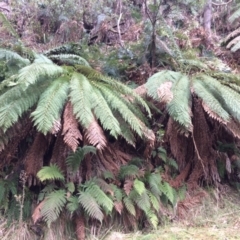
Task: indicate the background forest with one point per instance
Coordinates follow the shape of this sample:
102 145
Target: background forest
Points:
115 114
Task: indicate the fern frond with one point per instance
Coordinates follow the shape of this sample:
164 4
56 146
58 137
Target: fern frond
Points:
192 63
95 135
154 180
104 114
128 203
13 57
152 218
154 201
119 87
90 205
117 104
51 172
142 201
73 204
16 101
53 205
208 98
117 192
80 96
102 199
139 186
232 36
168 192
50 105
37 71
228 97
236 46
8 26
157 79
178 108
74 160
70 59
128 171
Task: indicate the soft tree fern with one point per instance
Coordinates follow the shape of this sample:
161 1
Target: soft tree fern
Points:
44 88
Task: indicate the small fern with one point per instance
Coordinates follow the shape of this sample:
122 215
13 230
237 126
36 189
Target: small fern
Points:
51 172
53 206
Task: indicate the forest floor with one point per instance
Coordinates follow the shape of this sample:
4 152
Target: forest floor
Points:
214 219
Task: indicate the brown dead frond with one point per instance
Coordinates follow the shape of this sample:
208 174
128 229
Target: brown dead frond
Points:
164 92
70 131
128 185
141 90
95 135
37 212
118 207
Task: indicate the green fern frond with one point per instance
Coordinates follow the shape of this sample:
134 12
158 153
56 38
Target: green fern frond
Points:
74 160
8 26
173 163
129 205
101 198
108 175
168 192
53 205
182 192
104 114
128 171
119 87
152 218
139 186
37 71
118 194
50 105
73 204
227 97
142 201
16 101
69 59
90 205
192 63
208 98
154 180
178 108
51 172
80 96
118 104
12 57
154 201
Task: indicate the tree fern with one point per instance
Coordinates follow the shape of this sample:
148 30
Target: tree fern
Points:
142 201
51 172
74 160
53 205
50 105
154 201
152 218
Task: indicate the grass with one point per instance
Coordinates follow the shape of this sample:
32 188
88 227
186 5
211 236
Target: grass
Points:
216 218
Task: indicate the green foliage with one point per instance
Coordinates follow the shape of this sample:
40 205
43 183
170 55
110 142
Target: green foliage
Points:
74 160
51 172
53 205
